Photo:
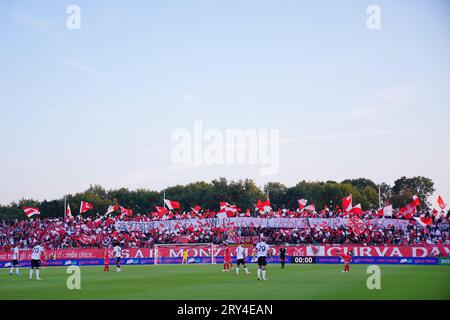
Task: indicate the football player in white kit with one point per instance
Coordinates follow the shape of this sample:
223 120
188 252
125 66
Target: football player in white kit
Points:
15 259
117 254
36 260
262 250
240 256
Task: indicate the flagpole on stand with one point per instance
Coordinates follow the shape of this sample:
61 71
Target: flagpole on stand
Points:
379 195
164 202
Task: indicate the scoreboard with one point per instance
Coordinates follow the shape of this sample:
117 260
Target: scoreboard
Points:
304 260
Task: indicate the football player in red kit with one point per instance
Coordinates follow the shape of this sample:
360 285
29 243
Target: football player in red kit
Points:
226 259
347 258
106 260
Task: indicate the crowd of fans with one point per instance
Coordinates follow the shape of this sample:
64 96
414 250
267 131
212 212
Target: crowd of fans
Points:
280 213
415 234
79 232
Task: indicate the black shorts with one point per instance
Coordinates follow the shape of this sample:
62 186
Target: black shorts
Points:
117 260
35 263
282 258
15 262
262 261
240 261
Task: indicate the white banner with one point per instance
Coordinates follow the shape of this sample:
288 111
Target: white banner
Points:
286 223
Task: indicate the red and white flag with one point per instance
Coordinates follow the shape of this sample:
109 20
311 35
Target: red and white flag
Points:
356 210
161 211
112 209
302 203
386 211
424 221
441 203
172 204
347 203
228 209
408 210
416 200
196 209
263 206
30 211
310 208
224 205
85 206
356 224
68 211
125 211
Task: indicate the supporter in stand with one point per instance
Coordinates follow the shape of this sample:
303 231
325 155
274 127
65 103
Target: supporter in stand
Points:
98 233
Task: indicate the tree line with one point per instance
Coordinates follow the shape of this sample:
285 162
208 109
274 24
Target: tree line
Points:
243 193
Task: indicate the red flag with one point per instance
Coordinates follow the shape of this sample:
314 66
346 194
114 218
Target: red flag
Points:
125 211
356 224
161 211
408 210
424 221
386 211
172 204
68 211
356 210
196 209
302 203
223 205
347 203
441 203
85 206
228 209
230 213
416 200
112 209
30 211
263 206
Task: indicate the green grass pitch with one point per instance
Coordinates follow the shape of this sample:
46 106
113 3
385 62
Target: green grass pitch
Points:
191 282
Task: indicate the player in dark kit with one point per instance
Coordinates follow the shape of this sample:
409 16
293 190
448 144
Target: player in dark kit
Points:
282 256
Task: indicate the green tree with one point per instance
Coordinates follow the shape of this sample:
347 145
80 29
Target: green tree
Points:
405 188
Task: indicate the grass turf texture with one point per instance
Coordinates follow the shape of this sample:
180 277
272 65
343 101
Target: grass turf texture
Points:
191 282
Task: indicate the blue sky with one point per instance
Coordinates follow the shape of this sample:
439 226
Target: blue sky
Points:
99 104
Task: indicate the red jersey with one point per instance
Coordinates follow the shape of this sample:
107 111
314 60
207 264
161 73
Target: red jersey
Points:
227 253
346 257
106 257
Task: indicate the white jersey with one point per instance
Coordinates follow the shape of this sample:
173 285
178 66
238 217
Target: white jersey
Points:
15 253
36 253
239 252
117 252
262 248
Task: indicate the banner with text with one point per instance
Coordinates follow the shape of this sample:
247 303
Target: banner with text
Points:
218 251
287 223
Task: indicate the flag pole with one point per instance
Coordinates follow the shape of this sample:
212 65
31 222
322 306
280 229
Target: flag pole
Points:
379 195
64 207
164 202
